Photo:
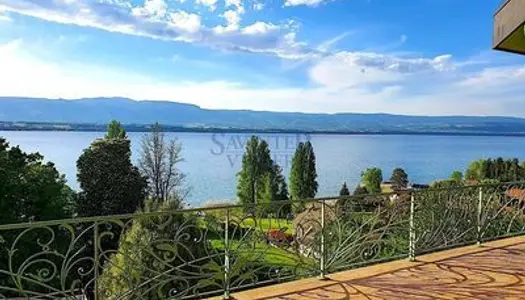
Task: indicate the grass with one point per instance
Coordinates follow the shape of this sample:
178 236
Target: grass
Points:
267 224
269 254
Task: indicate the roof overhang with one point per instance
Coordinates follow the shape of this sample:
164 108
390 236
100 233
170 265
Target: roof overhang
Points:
509 27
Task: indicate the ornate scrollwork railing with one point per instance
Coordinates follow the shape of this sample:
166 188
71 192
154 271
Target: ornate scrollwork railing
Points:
196 253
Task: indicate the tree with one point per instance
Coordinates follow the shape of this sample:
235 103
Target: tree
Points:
303 174
476 170
153 261
158 163
115 131
267 194
110 183
495 169
372 179
456 176
399 179
344 190
31 190
360 190
256 163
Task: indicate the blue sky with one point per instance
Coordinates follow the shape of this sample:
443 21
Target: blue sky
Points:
425 57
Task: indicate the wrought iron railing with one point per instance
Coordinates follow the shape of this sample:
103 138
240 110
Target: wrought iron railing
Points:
202 252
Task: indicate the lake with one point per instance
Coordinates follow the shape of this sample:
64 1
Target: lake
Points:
213 160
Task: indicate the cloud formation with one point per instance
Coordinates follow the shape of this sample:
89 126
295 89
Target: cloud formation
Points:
3 16
154 19
311 3
446 90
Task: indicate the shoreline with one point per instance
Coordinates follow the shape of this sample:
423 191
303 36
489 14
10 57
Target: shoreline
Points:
263 131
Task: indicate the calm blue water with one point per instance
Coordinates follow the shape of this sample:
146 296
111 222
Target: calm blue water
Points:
212 160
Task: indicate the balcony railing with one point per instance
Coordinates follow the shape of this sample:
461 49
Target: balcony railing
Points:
204 252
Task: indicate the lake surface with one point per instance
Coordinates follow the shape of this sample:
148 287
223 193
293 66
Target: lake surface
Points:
213 160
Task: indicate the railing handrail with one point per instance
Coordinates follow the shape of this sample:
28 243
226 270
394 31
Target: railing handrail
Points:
233 206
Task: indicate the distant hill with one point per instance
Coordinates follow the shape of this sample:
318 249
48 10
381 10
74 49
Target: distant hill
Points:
192 117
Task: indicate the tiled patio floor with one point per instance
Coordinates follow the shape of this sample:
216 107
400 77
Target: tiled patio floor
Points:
494 271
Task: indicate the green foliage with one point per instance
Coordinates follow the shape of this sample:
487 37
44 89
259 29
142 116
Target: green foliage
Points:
303 174
115 131
496 169
344 190
360 190
456 176
31 190
110 183
144 268
446 184
256 163
372 179
267 195
399 178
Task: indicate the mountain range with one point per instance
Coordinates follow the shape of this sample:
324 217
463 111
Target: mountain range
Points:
15 110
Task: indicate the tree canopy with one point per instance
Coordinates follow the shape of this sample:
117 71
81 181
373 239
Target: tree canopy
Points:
303 173
31 190
495 169
110 183
344 190
399 178
456 176
372 179
256 163
115 131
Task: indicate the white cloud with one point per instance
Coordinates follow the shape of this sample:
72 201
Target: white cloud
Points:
154 21
151 8
3 16
211 4
63 79
496 76
233 18
260 28
235 3
186 21
312 3
345 69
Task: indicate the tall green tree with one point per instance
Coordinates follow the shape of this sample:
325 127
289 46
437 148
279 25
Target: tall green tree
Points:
344 190
372 179
495 169
31 189
158 162
476 170
456 176
110 183
115 131
303 174
399 178
256 163
360 190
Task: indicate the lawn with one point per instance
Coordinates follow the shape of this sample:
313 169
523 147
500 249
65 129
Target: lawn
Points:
267 224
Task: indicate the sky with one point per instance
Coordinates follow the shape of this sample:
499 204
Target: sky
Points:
421 57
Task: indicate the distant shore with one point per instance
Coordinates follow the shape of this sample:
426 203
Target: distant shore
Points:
32 126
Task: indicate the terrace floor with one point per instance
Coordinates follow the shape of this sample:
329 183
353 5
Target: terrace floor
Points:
495 270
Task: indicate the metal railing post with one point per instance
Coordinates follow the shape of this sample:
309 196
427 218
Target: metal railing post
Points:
95 261
412 233
227 292
480 207
323 256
